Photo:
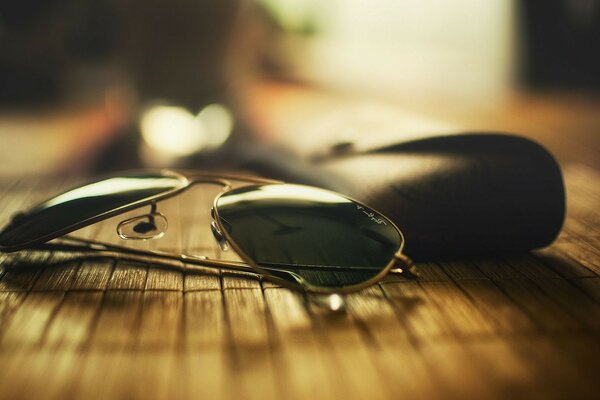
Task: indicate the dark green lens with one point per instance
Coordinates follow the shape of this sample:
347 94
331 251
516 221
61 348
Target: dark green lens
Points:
84 204
327 239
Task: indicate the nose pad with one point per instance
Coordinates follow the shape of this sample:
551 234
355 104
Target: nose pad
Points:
143 227
220 239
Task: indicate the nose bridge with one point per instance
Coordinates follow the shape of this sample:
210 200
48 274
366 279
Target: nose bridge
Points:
224 178
153 224
211 180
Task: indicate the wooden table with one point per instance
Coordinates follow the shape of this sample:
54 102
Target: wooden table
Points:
505 328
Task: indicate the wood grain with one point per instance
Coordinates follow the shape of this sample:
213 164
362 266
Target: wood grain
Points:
521 327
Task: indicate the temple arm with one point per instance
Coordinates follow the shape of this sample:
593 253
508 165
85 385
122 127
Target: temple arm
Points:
70 243
174 261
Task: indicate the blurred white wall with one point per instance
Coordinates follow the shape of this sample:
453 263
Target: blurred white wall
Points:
462 49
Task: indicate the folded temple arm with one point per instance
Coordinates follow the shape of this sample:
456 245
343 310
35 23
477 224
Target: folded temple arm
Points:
182 262
173 261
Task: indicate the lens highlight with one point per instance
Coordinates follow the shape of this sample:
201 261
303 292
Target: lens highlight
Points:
80 206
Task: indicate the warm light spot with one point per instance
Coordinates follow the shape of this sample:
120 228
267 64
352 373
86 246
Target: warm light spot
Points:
218 122
335 302
173 131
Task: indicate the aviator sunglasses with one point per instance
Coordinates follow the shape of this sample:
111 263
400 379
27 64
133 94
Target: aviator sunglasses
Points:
302 237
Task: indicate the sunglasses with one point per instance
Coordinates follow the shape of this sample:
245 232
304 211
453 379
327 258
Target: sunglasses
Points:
302 237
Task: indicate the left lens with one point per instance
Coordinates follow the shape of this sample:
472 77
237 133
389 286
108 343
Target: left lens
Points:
84 204
322 236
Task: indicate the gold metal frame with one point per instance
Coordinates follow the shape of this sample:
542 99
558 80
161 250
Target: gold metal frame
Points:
102 249
302 284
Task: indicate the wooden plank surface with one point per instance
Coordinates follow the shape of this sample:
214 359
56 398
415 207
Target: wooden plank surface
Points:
522 327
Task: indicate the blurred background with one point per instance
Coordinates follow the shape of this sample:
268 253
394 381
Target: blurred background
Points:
90 86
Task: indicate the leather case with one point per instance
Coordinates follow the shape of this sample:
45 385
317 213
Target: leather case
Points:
458 196
467 195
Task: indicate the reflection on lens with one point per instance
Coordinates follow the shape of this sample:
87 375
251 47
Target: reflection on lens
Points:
85 202
327 239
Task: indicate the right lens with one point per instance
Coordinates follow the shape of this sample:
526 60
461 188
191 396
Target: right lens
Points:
321 236
86 204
